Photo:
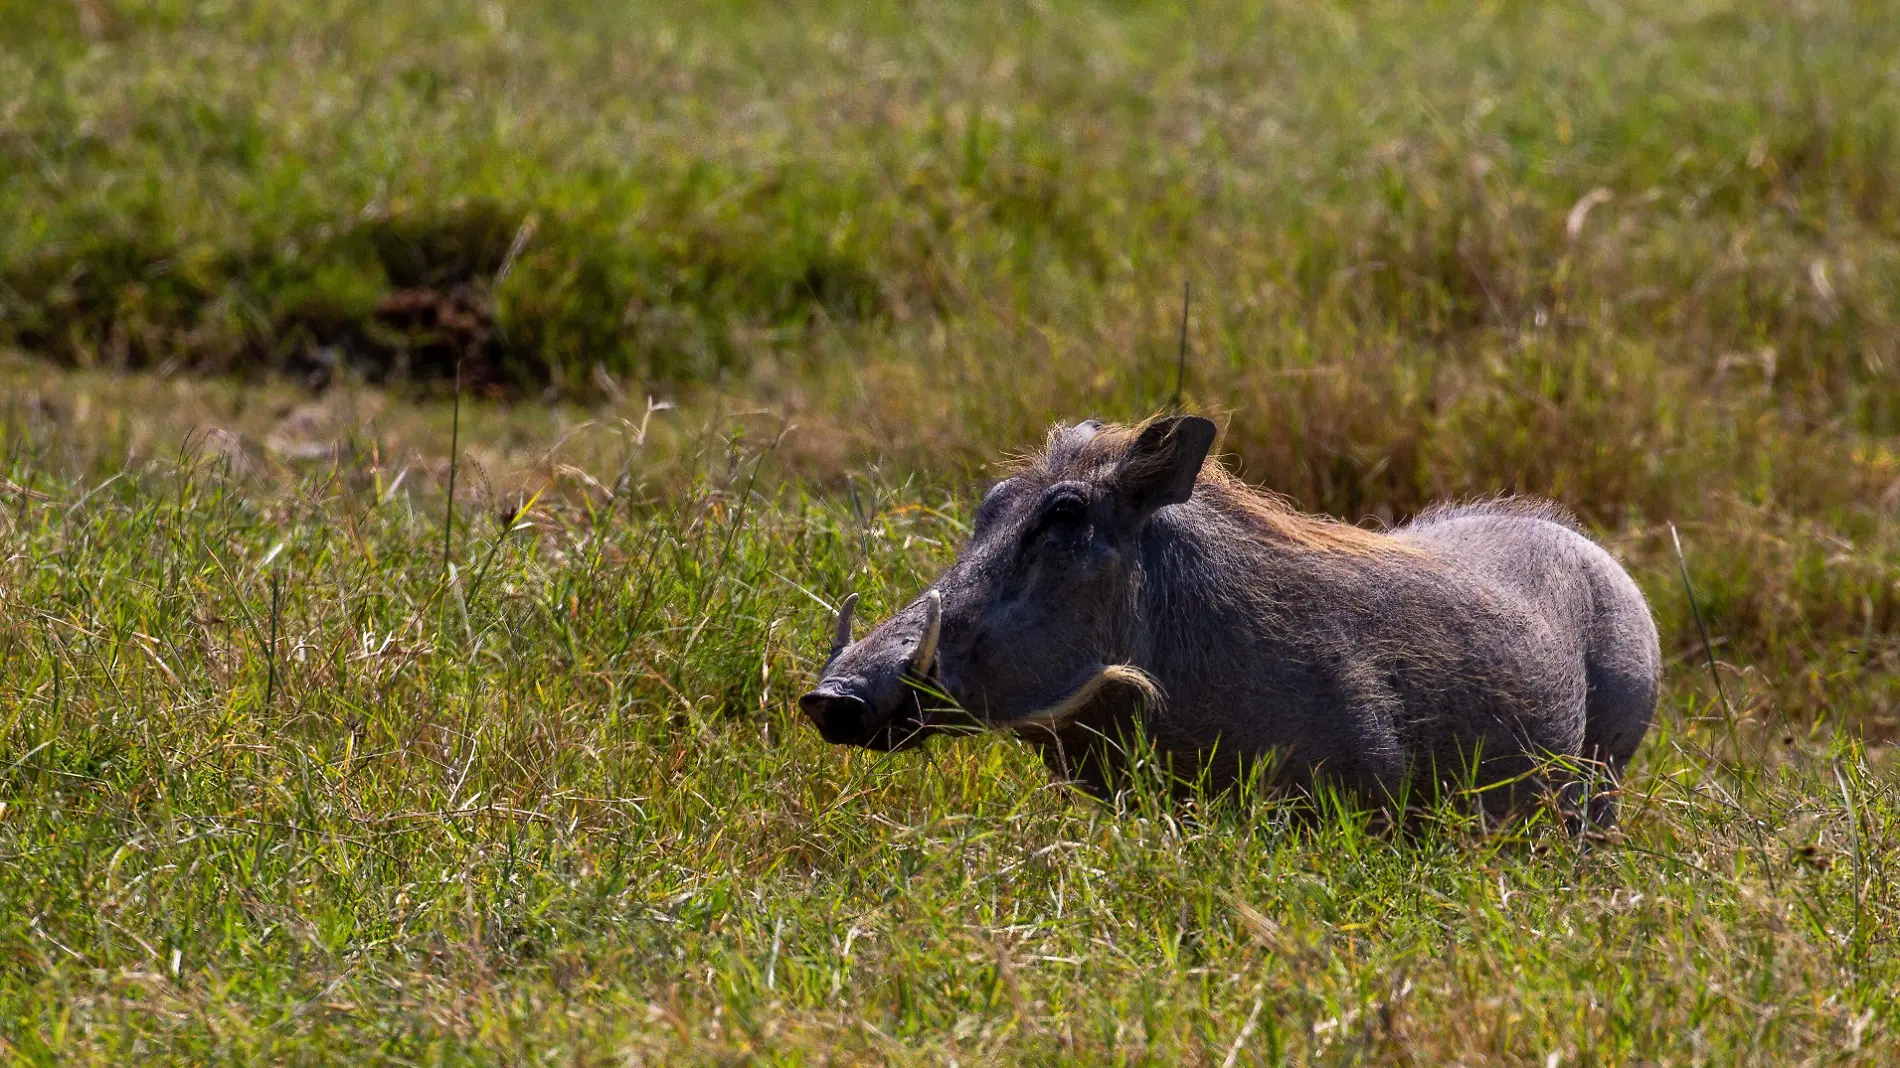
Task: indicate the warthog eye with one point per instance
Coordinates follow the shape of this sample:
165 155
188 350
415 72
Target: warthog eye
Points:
1062 513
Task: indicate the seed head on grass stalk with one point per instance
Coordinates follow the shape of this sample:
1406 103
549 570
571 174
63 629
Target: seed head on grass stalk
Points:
507 526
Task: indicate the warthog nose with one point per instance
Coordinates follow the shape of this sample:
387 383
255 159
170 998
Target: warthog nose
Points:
839 716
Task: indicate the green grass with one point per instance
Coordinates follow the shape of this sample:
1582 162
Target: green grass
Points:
558 808
548 800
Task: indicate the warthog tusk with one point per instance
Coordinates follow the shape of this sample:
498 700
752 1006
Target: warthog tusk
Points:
1059 714
933 626
841 633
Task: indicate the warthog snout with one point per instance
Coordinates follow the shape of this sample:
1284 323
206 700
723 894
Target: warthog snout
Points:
880 713
842 717
866 695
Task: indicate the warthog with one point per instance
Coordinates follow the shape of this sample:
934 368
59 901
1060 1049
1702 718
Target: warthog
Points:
1117 580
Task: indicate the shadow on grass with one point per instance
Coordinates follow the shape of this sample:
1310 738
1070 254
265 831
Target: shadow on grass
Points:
523 299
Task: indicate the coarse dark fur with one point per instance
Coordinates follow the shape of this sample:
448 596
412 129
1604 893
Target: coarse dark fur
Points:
1489 643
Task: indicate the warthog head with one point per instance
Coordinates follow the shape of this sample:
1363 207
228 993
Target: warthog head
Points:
1037 615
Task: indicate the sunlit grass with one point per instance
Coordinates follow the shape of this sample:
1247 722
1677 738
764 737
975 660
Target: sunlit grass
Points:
557 804
747 300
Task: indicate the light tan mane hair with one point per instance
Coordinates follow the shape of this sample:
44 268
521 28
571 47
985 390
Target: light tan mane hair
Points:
1095 459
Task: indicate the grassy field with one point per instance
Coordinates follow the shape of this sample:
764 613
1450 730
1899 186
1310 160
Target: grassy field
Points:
305 759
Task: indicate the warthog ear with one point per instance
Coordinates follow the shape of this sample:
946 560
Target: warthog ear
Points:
1159 469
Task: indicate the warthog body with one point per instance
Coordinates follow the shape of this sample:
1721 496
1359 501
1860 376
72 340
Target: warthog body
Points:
1111 580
